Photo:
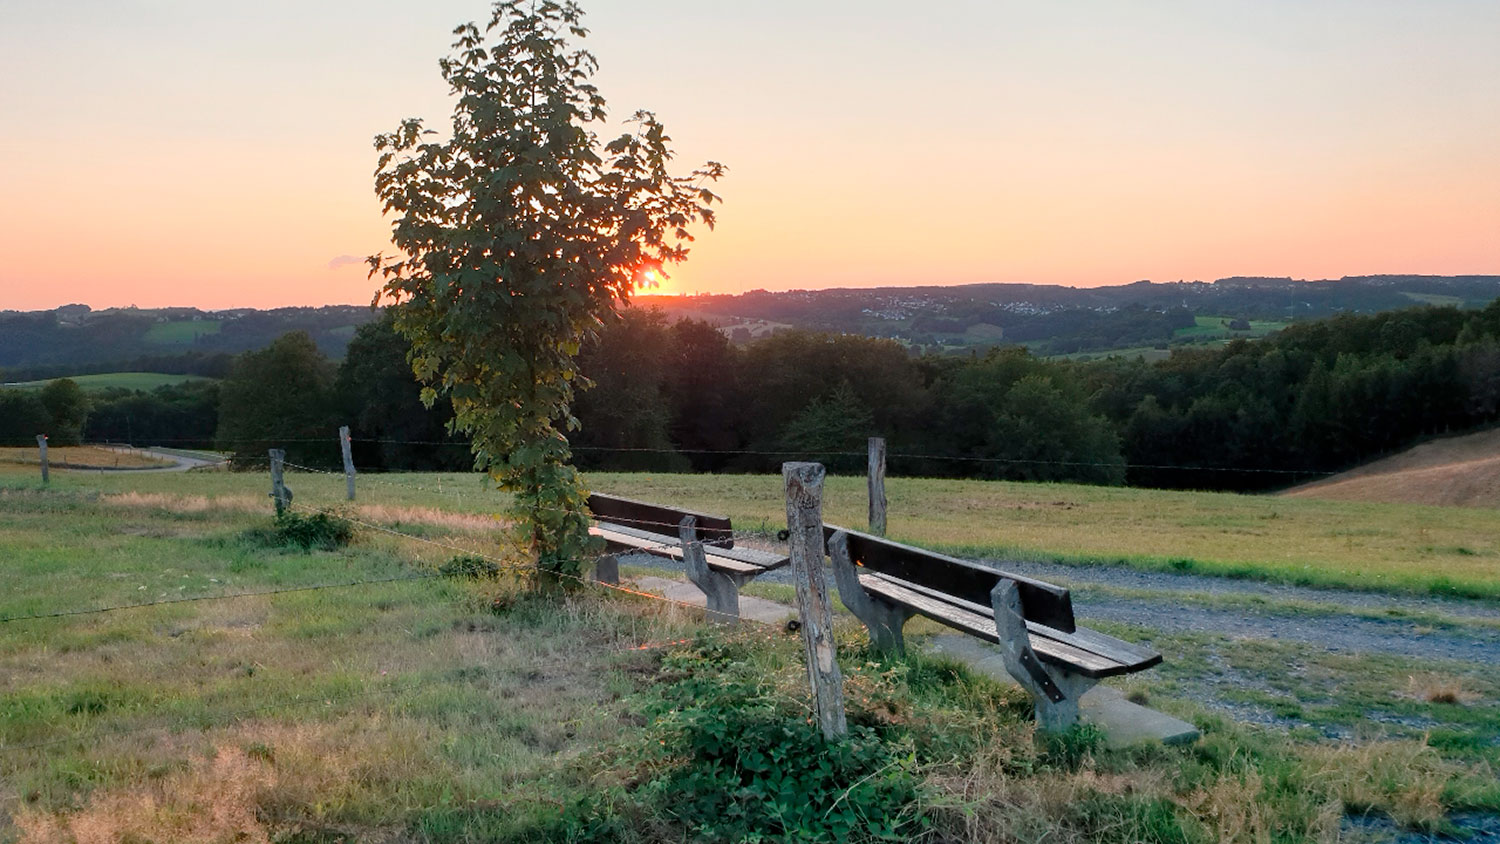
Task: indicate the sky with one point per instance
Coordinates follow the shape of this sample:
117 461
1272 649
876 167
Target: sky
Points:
180 152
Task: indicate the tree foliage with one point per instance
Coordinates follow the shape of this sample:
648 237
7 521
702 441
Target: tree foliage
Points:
67 408
279 397
518 237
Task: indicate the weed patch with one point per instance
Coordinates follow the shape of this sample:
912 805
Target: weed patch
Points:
316 532
469 567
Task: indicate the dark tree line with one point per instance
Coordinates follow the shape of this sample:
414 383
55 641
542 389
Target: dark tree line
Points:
1318 397
60 409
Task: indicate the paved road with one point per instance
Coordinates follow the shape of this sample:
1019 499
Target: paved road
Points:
180 462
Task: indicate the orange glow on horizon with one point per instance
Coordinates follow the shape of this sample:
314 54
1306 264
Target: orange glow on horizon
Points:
1117 142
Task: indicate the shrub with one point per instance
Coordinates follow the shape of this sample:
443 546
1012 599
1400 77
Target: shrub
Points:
471 567
316 532
751 766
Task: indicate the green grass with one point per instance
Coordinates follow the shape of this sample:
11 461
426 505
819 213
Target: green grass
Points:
335 709
1398 548
181 333
120 380
451 709
1206 331
1435 299
1217 328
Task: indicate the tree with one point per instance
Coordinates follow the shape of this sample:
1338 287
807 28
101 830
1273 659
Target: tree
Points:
830 427
382 401
280 397
517 238
702 386
68 409
22 417
624 414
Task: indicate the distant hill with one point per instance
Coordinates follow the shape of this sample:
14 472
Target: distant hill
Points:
116 381
1459 471
1143 317
75 339
1057 320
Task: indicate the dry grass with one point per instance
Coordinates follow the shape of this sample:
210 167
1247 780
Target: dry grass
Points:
1459 471
1405 780
185 503
214 799
395 516
83 457
1434 687
386 515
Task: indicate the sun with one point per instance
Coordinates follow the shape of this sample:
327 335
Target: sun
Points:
651 280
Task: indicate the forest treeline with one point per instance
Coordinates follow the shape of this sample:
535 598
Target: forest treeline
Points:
1318 397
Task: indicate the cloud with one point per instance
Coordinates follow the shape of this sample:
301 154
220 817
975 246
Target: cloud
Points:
344 261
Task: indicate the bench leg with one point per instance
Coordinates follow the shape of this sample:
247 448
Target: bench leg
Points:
607 570
1055 691
721 590
883 620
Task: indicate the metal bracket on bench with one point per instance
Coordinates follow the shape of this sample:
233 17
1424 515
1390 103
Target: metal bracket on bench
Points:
1055 691
883 620
607 570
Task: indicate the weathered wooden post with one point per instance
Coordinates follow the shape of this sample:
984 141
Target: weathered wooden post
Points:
346 445
279 491
804 522
41 445
876 479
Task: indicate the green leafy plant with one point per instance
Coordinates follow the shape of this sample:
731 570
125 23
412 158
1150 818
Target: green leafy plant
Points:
470 567
753 767
517 238
315 532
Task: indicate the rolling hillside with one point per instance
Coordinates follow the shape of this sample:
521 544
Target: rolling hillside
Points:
1461 471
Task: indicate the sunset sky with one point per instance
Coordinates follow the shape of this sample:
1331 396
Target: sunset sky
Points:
166 152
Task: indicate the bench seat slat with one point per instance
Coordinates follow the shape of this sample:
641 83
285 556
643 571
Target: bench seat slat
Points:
1048 644
1120 651
735 560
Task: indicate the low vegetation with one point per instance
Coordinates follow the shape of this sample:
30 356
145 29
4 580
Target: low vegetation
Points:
119 381
1362 545
465 708
76 457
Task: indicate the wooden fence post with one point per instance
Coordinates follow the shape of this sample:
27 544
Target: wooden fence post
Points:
279 492
346 446
876 479
41 445
804 522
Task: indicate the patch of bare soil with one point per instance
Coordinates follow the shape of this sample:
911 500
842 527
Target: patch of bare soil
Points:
1459 471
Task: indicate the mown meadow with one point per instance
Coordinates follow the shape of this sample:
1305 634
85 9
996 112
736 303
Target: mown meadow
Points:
376 690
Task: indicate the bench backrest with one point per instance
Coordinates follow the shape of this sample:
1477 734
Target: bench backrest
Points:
712 530
1041 602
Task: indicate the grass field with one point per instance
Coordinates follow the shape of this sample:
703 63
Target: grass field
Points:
1207 331
1216 328
1365 545
120 380
26 461
1435 299
181 333
440 710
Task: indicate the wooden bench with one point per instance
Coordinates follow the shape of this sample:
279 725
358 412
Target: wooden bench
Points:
885 583
703 542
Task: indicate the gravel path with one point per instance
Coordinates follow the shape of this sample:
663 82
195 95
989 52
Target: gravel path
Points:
1175 604
1351 630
